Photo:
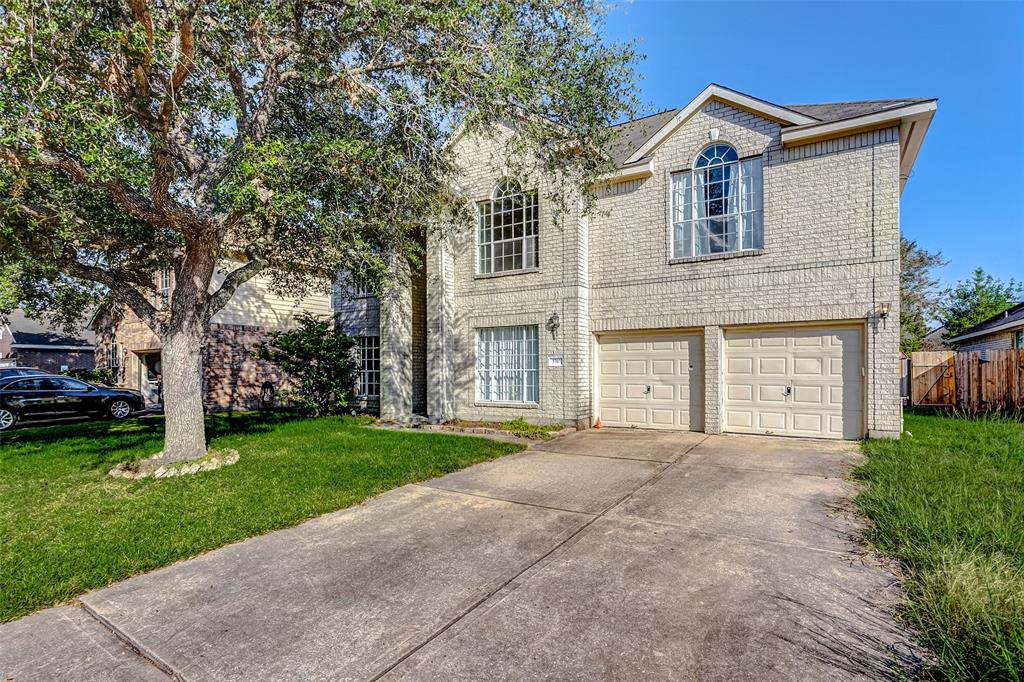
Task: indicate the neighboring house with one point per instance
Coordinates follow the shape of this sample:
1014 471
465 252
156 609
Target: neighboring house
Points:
935 340
739 272
999 332
232 377
31 343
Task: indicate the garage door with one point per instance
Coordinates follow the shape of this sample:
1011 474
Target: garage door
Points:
795 382
652 381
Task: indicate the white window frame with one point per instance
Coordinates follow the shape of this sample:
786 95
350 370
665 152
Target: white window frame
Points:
115 356
747 211
163 285
508 365
525 216
369 367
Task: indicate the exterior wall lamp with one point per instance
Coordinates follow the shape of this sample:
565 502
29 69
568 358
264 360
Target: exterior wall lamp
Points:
552 324
883 311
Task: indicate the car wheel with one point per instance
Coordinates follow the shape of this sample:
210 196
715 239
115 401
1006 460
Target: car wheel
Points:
7 419
119 409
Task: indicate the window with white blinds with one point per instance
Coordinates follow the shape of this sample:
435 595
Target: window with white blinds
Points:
507 365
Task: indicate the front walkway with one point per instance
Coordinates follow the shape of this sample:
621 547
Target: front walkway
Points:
604 554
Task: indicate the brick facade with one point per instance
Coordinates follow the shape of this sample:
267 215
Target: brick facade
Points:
232 377
831 240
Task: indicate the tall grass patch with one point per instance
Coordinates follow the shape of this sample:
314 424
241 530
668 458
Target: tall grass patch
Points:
947 499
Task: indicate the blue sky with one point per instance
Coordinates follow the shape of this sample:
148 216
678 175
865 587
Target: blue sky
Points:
966 194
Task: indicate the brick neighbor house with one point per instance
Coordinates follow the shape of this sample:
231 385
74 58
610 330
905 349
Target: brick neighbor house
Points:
232 377
31 343
739 272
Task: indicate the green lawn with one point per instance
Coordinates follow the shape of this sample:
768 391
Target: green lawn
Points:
948 500
68 528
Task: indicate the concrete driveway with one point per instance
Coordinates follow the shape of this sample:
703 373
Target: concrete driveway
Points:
604 554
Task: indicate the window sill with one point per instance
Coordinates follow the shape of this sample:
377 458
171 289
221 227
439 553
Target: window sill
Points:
507 273
716 256
520 406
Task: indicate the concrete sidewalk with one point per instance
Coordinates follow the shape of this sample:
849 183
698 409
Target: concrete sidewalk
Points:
604 554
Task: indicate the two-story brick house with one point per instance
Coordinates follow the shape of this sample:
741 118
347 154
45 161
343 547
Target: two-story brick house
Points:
739 272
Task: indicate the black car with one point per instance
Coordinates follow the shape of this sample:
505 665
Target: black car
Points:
9 372
50 397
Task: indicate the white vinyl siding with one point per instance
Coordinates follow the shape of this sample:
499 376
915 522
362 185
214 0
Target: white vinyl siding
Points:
507 365
718 209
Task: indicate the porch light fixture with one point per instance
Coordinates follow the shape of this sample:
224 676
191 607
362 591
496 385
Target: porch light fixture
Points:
883 311
552 324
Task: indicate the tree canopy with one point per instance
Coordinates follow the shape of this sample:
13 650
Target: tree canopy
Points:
920 293
974 300
283 138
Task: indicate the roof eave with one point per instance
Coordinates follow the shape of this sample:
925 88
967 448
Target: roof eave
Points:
913 121
727 96
1006 326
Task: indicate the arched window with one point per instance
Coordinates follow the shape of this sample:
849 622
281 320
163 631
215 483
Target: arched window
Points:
717 207
507 232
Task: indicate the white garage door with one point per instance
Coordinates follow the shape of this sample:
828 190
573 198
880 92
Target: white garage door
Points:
652 381
795 382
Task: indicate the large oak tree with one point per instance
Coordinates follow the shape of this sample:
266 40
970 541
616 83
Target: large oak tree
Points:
282 138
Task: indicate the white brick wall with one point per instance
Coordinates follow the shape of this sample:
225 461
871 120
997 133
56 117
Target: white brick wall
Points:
830 253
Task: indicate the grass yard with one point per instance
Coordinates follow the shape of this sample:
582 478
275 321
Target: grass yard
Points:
948 500
69 528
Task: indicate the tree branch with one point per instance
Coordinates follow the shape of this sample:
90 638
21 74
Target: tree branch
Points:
125 197
235 279
128 295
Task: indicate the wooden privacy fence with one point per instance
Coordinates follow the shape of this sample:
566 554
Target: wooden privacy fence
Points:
976 381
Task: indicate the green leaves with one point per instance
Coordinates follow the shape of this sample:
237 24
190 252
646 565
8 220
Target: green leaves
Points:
974 300
320 358
311 134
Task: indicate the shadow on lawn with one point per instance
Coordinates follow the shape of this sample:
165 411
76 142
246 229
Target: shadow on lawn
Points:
137 432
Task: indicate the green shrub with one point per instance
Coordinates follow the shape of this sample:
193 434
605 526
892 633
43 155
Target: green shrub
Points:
320 358
104 377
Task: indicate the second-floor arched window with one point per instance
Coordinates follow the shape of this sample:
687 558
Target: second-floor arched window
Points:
718 206
507 230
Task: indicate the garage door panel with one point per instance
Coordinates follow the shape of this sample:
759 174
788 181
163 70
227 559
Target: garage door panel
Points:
822 367
771 393
740 365
663 393
636 368
739 392
661 381
739 419
772 366
662 368
611 391
775 421
808 395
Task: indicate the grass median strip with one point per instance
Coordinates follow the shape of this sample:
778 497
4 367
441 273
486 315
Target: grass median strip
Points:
69 528
947 499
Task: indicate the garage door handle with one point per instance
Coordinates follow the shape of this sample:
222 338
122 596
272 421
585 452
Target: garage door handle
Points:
788 391
647 388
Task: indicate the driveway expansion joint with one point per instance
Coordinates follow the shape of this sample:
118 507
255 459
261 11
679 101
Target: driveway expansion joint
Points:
137 648
566 541
503 499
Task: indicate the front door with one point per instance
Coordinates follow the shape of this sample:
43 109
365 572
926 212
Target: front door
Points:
150 379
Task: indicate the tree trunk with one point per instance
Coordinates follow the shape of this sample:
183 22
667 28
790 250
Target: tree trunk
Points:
181 358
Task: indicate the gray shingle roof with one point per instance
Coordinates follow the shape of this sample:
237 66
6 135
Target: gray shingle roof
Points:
631 135
837 111
34 333
1012 314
